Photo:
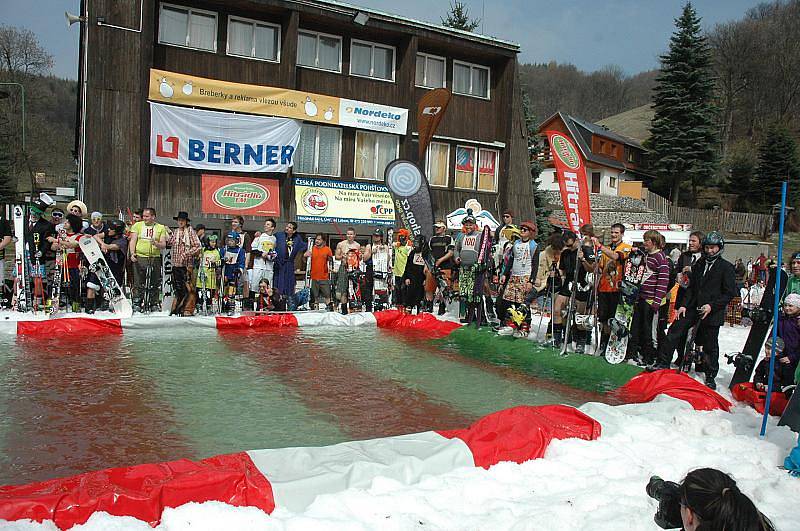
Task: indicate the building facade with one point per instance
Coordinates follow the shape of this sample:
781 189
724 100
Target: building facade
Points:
615 165
324 49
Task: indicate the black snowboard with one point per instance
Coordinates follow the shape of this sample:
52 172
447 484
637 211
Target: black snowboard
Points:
791 415
746 362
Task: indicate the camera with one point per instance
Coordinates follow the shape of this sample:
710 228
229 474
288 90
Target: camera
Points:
741 361
668 495
757 315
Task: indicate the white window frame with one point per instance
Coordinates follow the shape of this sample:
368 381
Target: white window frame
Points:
471 66
474 170
316 151
496 169
252 48
355 150
319 34
189 10
374 45
425 73
447 166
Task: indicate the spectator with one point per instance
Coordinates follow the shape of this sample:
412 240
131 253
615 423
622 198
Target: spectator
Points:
147 239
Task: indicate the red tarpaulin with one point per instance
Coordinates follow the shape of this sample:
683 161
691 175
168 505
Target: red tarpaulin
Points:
522 433
745 392
141 491
420 325
648 385
78 325
246 322
571 174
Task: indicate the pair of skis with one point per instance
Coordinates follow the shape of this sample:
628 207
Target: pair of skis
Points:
484 256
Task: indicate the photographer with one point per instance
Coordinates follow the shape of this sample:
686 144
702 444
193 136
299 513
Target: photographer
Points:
706 500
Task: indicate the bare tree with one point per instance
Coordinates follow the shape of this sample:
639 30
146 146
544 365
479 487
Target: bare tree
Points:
21 54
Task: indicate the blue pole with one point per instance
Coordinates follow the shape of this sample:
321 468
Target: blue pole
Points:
775 308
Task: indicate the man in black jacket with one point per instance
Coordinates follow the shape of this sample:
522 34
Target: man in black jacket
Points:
711 288
687 260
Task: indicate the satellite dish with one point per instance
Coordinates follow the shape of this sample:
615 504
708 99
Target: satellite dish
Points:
72 19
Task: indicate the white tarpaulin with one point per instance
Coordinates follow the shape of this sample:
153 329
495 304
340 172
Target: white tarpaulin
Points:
210 140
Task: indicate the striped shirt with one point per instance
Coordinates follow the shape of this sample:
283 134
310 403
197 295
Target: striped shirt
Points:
656 278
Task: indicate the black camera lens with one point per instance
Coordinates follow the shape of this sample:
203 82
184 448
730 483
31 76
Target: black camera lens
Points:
668 495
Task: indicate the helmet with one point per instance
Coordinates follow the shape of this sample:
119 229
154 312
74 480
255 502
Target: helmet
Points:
117 225
714 238
419 241
795 256
378 232
232 235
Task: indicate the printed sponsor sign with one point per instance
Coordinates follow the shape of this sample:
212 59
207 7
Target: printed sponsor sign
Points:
240 196
660 226
209 140
183 89
571 180
355 203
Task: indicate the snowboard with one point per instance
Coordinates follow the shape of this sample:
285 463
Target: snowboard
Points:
762 324
111 289
167 290
381 276
484 257
791 415
620 324
355 279
55 293
21 282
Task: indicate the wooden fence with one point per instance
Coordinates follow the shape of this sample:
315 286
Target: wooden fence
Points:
714 219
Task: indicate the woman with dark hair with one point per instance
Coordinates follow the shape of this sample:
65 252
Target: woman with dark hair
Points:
711 501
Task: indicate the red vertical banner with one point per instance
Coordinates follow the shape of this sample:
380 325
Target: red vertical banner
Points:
571 174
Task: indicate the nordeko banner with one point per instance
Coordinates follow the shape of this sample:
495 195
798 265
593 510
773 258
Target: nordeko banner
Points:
239 196
209 140
183 89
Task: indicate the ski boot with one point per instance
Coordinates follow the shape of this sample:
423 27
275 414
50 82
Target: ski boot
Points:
442 309
558 335
509 328
90 306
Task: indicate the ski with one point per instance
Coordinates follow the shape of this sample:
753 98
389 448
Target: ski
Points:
570 309
99 266
381 277
304 295
60 264
620 324
21 289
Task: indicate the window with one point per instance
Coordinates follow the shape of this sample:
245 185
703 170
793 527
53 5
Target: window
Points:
374 151
614 150
481 175
253 39
371 60
470 80
612 182
487 170
602 148
437 164
192 28
431 71
319 151
596 179
318 50
631 156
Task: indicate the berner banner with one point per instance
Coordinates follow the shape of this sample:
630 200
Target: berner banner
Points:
210 140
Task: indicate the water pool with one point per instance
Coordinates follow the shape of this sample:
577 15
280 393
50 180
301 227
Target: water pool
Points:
70 405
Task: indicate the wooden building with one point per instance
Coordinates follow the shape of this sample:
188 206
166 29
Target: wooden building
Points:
317 46
615 164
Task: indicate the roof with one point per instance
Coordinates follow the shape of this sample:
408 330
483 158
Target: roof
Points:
633 123
352 10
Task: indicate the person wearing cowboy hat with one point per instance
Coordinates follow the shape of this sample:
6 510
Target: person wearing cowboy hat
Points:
78 208
185 247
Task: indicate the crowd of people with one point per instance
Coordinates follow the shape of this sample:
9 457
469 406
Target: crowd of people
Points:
579 279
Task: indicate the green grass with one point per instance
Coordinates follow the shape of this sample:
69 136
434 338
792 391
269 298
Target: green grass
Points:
791 244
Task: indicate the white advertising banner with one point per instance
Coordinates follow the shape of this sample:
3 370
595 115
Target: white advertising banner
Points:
373 116
210 140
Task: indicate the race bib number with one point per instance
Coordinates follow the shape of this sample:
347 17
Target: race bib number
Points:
419 260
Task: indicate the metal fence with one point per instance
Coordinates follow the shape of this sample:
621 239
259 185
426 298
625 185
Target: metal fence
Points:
714 219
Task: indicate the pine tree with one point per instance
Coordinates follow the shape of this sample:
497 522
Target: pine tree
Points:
539 197
778 161
458 18
684 138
